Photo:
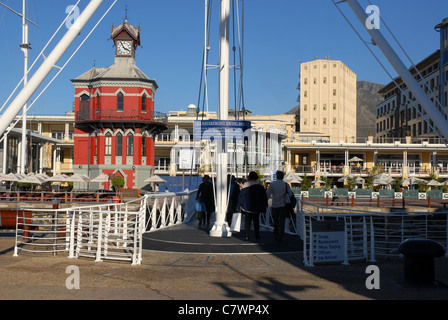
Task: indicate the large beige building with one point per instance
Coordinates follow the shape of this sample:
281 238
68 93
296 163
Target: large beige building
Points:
328 99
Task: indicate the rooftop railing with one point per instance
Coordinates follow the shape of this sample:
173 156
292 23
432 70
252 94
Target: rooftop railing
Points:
105 115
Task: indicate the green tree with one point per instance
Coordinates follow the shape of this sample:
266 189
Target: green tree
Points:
117 183
306 183
351 183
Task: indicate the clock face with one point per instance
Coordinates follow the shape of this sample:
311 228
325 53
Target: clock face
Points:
124 48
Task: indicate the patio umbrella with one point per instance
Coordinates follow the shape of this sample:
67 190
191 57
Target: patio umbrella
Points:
416 180
318 181
355 159
12 177
382 179
156 179
101 178
34 179
58 178
292 178
434 183
78 178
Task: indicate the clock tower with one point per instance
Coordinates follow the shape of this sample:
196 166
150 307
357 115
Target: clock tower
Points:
126 39
115 117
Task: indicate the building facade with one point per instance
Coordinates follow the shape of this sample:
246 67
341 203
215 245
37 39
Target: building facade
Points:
400 115
328 100
115 120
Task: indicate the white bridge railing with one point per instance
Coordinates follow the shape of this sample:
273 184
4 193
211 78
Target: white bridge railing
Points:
109 231
368 235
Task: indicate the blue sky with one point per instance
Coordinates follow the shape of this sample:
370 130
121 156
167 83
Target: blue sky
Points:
279 35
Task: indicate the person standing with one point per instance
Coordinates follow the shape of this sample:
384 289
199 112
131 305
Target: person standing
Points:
234 192
280 192
206 194
252 201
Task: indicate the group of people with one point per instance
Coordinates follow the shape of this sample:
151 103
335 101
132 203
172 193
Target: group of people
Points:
250 199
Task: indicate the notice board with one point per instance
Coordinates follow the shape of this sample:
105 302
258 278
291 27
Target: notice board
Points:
328 241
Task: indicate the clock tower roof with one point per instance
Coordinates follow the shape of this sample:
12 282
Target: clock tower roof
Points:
126 31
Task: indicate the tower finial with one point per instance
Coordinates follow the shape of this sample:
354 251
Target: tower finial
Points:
126 13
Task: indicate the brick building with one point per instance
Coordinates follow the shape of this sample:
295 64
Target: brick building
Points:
115 121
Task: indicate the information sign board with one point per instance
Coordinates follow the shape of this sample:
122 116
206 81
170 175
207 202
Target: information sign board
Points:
328 241
221 130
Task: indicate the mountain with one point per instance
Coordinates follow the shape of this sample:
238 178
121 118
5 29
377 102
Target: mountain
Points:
367 100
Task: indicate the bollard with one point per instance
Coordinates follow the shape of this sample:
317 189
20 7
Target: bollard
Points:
327 201
419 257
378 201
353 201
429 201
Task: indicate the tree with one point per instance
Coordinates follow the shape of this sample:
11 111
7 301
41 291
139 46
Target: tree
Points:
306 183
117 182
351 183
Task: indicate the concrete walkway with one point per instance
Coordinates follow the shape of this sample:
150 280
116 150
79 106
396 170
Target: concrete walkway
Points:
224 273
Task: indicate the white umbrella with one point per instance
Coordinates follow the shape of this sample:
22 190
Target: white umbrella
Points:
292 178
416 180
58 178
101 178
355 159
318 181
12 177
156 179
78 178
34 179
434 183
43 176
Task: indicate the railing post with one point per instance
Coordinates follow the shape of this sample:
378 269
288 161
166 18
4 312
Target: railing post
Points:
100 236
372 240
71 254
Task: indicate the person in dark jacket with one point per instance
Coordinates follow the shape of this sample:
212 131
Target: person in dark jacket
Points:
206 193
234 192
252 201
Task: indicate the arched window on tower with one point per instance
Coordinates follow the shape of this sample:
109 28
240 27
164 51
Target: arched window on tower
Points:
120 101
130 145
119 145
108 150
144 103
144 136
84 104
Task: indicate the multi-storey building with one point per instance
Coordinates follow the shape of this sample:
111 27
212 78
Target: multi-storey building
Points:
400 115
262 152
49 147
328 100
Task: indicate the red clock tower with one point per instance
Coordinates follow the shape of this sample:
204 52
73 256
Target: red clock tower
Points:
115 121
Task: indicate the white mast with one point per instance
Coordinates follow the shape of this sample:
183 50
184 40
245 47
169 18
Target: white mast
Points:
220 228
46 67
25 47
